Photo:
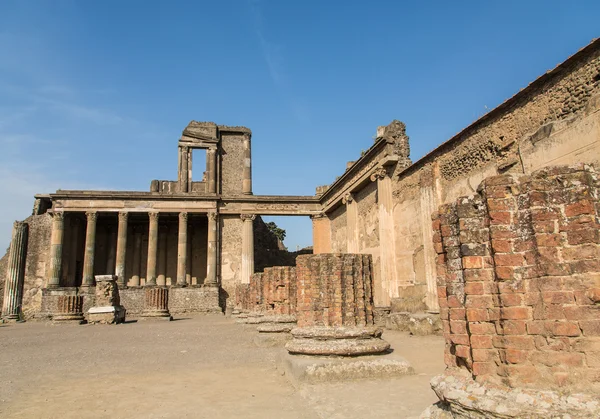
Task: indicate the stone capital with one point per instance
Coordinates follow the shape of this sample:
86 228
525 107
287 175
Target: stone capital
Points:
153 216
378 174
248 217
58 215
318 216
183 216
123 215
348 198
92 216
213 216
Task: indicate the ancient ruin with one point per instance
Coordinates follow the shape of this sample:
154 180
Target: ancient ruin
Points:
509 271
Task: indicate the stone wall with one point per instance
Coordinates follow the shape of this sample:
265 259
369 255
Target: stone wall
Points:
518 269
554 120
232 161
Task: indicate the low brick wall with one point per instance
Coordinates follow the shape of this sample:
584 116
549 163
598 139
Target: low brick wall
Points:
519 279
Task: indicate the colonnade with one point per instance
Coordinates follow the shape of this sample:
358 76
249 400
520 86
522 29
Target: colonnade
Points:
154 259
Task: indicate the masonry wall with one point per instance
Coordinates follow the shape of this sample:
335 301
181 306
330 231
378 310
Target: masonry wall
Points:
518 269
231 163
555 120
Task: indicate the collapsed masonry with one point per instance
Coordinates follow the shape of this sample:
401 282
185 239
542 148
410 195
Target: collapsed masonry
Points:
519 284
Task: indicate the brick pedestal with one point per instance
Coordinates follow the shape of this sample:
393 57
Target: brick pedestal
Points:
156 304
70 308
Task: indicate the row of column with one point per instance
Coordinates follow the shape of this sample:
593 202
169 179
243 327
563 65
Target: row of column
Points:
56 247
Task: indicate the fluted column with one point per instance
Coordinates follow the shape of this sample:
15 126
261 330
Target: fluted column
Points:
182 247
351 223
137 256
152 247
161 277
15 274
56 247
247 247
90 247
183 169
389 276
121 249
211 168
247 169
211 254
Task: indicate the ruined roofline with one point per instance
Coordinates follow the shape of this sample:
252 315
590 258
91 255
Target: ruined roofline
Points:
585 52
495 113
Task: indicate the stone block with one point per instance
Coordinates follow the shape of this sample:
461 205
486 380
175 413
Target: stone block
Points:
106 315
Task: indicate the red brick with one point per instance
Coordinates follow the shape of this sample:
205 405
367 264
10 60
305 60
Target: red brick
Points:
578 208
458 327
474 288
511 300
522 245
563 328
514 327
509 259
549 240
536 327
502 246
454 302
544 226
460 339
478 275
457 314
544 214
479 301
558 297
484 368
514 356
482 328
585 266
515 313
436 224
500 217
472 262
481 342
477 314
463 351
584 251
484 355
508 287
583 236
590 327
513 342
505 272
497 192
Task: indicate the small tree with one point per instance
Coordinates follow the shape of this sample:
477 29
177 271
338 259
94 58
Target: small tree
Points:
278 232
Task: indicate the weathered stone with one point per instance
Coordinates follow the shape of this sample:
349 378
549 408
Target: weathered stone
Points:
423 324
341 332
13 291
398 321
156 304
70 309
275 327
336 346
108 308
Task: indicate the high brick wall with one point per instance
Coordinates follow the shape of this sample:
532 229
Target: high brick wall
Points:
334 290
518 269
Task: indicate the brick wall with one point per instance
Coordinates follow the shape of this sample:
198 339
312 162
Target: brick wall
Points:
272 291
518 270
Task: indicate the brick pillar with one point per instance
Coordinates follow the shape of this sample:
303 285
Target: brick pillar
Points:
56 248
121 255
90 250
15 273
156 303
70 308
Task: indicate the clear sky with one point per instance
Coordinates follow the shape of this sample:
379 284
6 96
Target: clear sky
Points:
94 94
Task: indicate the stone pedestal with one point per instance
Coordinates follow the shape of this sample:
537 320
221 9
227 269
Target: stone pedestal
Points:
156 304
70 309
338 341
108 308
274 330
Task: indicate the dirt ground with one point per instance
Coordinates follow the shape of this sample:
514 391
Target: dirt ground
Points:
196 367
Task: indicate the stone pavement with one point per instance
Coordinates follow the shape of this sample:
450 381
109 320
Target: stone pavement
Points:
196 367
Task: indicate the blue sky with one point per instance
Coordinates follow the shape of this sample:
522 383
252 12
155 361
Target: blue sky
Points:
94 95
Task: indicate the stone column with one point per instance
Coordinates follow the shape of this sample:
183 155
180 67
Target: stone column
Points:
351 222
121 250
90 247
161 278
183 170
387 240
247 170
211 169
111 248
189 265
70 308
152 247
137 256
56 247
15 273
182 247
211 254
73 245
247 247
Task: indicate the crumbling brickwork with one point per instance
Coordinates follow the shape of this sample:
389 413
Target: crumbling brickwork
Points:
272 291
334 290
518 269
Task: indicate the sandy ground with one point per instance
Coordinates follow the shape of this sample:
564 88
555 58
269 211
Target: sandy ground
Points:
197 367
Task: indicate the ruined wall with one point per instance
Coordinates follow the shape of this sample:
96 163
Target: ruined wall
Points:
231 163
519 279
555 120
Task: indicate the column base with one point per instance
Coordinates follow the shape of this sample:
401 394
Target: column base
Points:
156 315
12 318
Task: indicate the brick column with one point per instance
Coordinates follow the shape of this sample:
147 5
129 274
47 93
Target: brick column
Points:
247 247
56 247
247 169
182 249
137 256
15 273
211 254
90 249
211 168
161 278
121 250
152 248
351 223
389 276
